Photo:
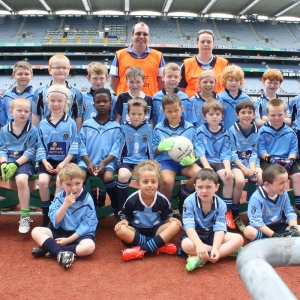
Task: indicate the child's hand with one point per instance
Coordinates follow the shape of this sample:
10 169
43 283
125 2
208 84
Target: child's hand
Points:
228 174
248 172
166 144
188 160
62 241
49 168
202 253
69 200
119 224
214 255
91 169
101 169
175 220
59 166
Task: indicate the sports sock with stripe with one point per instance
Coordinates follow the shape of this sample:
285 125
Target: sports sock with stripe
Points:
153 244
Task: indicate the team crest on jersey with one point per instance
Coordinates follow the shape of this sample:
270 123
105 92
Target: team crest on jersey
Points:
198 112
204 141
267 213
66 135
184 207
145 139
128 139
253 210
54 144
89 134
16 153
86 106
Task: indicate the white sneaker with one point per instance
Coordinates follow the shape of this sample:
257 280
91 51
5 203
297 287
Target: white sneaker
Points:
24 224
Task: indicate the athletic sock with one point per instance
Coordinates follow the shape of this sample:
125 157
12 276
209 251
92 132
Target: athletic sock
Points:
122 193
228 202
51 246
25 212
235 210
153 244
139 239
112 191
297 201
249 194
184 192
71 247
101 197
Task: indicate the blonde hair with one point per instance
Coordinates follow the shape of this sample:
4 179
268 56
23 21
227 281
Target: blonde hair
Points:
58 56
71 171
20 100
139 102
22 64
205 74
148 166
235 72
172 67
276 102
62 90
212 105
98 68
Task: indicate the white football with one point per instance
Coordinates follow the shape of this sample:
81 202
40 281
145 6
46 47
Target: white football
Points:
182 147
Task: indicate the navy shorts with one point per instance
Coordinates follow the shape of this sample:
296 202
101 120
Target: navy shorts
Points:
53 163
61 233
293 170
129 167
215 166
27 169
84 169
172 165
278 228
207 237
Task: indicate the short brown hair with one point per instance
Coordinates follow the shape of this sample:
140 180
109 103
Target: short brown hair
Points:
140 23
213 105
208 31
207 174
71 171
98 68
244 104
276 102
170 99
235 72
22 64
273 75
172 67
139 102
135 71
271 171
205 74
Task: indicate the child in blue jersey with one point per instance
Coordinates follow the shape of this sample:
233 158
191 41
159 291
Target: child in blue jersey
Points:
22 73
59 68
244 138
206 237
163 139
135 80
233 81
206 84
73 219
135 145
147 223
171 77
57 143
212 147
18 141
97 76
271 79
267 204
99 147
278 144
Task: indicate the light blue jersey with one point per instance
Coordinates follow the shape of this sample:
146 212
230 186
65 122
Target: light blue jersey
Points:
265 211
280 143
136 143
188 110
229 103
97 141
193 216
13 147
214 145
244 147
57 141
294 108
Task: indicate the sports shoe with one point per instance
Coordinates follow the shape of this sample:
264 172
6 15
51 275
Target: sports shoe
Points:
239 223
193 262
133 253
24 226
66 258
38 251
236 252
167 248
229 220
297 211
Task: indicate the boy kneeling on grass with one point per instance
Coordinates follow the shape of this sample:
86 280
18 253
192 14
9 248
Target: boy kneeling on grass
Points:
74 220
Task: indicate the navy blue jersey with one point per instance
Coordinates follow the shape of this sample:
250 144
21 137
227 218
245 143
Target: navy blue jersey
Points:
121 107
163 131
277 142
13 147
89 110
214 145
197 102
97 141
188 112
57 141
194 217
80 217
264 211
229 104
40 104
136 143
9 96
139 215
244 147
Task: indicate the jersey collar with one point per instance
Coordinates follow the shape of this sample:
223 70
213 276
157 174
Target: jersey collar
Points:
234 98
264 194
27 90
211 64
143 55
176 90
26 128
166 123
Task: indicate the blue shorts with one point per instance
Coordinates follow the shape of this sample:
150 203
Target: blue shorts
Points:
172 165
129 167
61 233
53 163
207 237
278 228
28 169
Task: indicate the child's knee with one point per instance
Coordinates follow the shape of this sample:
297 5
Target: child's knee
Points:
239 183
108 176
250 233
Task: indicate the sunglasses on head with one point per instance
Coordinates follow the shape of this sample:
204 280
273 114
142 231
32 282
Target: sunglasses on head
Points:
139 33
205 31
